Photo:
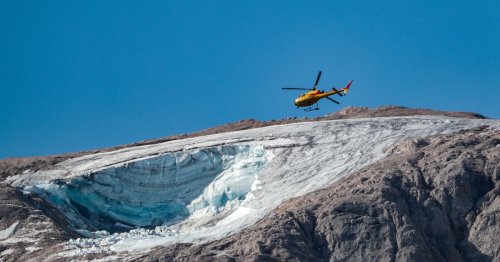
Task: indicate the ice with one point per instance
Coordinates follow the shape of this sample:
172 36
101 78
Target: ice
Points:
161 190
204 188
232 184
8 232
7 252
31 249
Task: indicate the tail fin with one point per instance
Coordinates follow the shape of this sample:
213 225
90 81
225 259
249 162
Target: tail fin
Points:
346 88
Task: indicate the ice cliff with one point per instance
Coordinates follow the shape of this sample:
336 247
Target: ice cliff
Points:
156 191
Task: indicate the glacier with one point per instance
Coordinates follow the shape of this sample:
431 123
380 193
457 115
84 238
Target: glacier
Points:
204 188
161 190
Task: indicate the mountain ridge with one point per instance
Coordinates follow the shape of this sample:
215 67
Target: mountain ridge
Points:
9 166
305 223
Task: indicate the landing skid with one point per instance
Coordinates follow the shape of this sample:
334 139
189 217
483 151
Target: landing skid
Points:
309 109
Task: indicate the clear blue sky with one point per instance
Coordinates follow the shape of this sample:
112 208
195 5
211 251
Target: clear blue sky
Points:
79 75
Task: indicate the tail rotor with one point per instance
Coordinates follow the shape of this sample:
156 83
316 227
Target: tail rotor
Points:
346 89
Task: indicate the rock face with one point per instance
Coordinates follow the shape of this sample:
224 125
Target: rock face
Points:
36 233
434 199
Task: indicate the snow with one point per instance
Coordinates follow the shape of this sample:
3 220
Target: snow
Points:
204 188
8 232
7 252
31 249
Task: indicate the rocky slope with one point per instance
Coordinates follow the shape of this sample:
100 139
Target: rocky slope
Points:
433 199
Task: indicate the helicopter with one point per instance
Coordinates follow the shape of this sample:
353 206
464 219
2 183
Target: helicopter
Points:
314 95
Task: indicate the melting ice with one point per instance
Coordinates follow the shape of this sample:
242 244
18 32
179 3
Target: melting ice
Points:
161 190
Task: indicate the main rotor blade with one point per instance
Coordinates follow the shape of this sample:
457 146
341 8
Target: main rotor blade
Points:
338 92
295 88
317 80
333 100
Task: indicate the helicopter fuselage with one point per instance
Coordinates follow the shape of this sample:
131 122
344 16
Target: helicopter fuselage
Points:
311 98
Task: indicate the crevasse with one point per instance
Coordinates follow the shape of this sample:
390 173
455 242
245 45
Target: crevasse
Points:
160 190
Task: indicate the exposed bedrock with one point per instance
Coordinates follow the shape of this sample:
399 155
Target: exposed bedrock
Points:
433 199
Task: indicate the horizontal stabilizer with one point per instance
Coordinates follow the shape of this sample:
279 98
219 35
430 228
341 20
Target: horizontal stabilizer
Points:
338 92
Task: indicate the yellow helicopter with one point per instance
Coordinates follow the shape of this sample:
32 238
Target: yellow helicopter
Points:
310 98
